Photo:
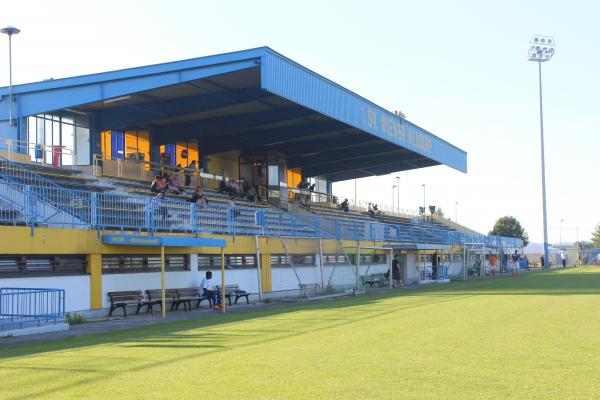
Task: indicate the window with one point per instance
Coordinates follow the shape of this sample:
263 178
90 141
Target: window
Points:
60 130
233 261
299 260
143 263
42 265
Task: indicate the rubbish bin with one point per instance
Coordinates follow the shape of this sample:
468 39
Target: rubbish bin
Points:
56 154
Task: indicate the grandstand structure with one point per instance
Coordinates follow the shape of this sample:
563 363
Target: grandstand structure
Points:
77 211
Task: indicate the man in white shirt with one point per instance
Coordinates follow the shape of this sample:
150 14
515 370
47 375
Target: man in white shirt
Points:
210 292
563 257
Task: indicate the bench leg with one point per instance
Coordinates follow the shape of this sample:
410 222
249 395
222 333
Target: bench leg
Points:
139 306
247 300
229 300
124 310
112 308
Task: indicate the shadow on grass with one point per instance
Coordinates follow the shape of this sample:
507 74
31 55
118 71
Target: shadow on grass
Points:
179 335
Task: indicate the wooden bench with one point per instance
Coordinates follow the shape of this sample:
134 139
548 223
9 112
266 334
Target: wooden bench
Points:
234 291
155 298
186 296
307 288
126 298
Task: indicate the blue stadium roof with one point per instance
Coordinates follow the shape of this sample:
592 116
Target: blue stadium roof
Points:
252 100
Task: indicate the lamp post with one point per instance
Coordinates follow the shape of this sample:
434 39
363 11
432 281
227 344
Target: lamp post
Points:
541 49
398 188
423 196
10 30
393 196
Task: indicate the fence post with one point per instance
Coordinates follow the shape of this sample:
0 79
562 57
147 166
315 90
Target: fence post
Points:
94 210
149 214
230 220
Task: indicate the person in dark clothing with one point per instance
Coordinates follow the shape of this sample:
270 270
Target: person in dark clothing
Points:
198 197
345 206
190 170
434 265
395 272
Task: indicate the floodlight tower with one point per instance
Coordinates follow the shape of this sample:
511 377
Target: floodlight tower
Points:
10 31
541 49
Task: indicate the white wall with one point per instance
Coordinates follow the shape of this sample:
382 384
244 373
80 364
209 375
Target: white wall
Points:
77 288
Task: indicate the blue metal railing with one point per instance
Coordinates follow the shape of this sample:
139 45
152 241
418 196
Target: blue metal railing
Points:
22 307
49 206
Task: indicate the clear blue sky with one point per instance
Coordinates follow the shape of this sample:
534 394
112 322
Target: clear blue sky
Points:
455 68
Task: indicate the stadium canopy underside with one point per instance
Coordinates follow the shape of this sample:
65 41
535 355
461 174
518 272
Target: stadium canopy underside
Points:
255 101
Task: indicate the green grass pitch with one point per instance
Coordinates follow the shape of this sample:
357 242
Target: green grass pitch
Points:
537 336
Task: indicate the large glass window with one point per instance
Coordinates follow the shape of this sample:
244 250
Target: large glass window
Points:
60 130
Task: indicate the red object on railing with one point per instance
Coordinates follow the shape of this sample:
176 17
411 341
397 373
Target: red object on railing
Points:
56 153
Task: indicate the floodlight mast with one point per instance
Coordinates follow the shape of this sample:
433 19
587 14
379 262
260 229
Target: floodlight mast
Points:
10 31
541 49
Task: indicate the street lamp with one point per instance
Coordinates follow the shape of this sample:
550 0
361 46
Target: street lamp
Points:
398 186
541 49
10 30
393 196
423 196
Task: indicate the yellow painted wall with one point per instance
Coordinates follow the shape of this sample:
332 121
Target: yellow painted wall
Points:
224 166
192 148
294 177
106 145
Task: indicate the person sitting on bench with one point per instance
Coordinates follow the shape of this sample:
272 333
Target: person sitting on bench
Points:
213 294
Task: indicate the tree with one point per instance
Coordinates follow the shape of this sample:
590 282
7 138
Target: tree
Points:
596 236
509 227
439 212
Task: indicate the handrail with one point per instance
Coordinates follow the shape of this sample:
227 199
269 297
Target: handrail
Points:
150 214
47 151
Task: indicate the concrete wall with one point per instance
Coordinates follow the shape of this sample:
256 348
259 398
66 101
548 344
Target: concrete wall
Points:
77 288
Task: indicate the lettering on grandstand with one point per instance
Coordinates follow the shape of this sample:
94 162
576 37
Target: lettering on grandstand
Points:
397 130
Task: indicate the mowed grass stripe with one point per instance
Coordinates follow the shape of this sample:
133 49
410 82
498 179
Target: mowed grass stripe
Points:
532 337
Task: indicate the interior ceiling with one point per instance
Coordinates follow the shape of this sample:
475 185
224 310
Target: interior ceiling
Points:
230 112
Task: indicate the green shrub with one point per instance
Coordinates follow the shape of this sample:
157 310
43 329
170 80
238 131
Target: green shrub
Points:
75 319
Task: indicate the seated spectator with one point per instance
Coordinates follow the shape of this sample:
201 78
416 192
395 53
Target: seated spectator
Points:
174 184
159 184
345 206
251 194
211 292
198 197
376 210
370 210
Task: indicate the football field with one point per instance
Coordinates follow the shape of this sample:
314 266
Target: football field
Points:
537 336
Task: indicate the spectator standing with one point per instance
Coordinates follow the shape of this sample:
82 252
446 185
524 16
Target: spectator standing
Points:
434 265
395 272
515 264
563 258
190 170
